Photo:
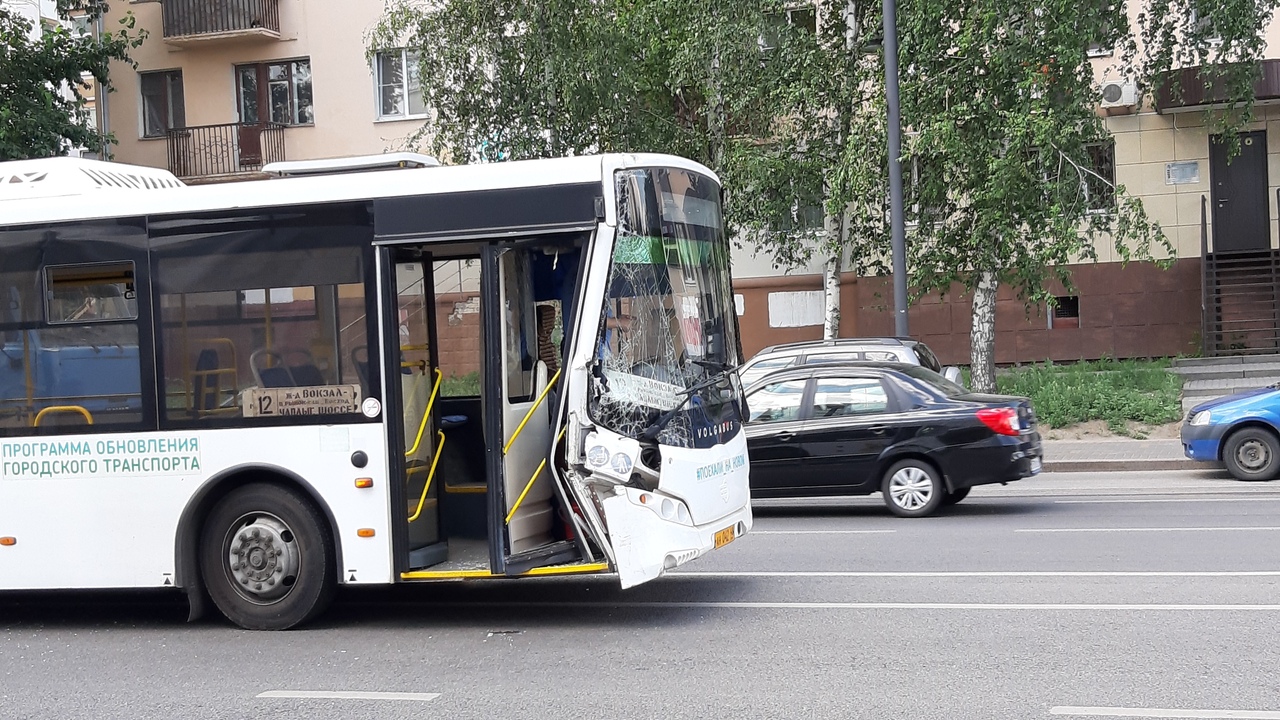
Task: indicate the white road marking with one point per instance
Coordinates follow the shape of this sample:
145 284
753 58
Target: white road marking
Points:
1147 529
971 573
747 605
1163 500
1164 713
347 695
820 532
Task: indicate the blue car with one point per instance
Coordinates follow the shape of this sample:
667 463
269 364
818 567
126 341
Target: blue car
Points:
1241 430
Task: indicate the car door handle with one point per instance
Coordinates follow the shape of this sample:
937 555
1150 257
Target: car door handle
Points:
879 429
786 436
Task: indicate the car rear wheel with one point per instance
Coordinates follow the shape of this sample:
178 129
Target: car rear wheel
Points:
1252 454
955 497
912 488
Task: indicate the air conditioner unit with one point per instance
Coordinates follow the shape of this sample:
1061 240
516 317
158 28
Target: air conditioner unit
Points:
1119 94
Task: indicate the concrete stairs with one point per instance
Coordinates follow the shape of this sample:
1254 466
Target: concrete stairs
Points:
1208 378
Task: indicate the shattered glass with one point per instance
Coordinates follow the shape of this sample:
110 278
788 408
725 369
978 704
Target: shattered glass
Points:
667 340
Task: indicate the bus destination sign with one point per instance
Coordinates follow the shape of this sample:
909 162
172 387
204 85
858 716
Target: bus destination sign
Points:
316 400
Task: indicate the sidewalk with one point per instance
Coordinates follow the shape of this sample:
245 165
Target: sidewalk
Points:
1116 455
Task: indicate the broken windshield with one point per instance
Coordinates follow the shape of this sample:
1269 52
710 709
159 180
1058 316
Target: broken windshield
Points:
667 338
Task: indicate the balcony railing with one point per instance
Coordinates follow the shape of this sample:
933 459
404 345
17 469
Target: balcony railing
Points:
212 151
204 20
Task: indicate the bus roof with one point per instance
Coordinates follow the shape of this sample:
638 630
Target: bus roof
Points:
67 176
311 189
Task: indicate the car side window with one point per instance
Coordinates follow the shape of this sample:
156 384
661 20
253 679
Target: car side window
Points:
832 357
842 397
882 356
777 402
927 358
764 367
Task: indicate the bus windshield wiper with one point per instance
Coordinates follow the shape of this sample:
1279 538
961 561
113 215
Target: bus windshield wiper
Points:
650 433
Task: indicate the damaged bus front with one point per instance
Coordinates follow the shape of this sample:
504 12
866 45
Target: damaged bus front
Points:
657 457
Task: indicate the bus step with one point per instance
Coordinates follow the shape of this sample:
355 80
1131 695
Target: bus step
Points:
556 553
428 555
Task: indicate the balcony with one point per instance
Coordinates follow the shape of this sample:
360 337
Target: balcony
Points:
192 22
230 151
1193 88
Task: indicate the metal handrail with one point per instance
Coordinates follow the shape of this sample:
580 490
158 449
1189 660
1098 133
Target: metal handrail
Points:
426 415
53 409
426 487
536 404
529 485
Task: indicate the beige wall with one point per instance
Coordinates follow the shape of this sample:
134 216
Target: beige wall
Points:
330 32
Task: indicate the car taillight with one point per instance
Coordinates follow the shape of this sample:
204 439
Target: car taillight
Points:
1002 421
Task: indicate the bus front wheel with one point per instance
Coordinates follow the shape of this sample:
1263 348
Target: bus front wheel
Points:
266 557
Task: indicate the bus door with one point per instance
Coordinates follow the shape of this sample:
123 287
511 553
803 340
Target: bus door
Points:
531 511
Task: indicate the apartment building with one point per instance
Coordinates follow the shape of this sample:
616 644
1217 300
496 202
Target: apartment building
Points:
1221 218
223 87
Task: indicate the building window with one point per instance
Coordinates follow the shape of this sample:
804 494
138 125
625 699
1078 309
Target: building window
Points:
803 16
399 85
1097 50
278 92
1065 312
1100 180
162 105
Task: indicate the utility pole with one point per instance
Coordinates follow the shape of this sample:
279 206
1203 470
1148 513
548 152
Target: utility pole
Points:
896 222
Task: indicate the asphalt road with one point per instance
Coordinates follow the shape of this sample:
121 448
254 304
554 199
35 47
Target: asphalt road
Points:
1071 595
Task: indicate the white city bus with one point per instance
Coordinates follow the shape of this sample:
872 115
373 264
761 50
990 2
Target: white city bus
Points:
257 391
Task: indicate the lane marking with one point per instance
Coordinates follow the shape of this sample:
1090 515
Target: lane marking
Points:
1163 500
1164 713
1146 529
748 605
347 695
819 532
972 573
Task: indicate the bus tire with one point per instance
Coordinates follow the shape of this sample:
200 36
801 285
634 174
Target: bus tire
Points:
266 558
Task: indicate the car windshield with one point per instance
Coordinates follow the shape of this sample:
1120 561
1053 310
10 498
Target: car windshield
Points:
943 385
668 342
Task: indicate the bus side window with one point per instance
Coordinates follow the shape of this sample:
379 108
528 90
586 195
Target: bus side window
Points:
79 364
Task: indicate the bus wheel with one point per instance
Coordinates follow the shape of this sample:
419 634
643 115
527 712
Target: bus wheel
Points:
266 558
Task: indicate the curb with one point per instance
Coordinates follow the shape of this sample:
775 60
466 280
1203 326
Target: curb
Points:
1064 466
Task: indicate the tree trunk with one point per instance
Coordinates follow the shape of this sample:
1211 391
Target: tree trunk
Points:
831 287
982 336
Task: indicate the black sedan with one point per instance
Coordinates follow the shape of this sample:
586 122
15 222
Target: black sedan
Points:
901 429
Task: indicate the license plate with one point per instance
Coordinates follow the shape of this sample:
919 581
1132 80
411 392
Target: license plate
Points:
1035 465
724 537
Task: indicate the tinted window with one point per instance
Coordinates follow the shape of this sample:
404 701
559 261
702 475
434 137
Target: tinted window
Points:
941 384
927 358
777 402
249 317
841 397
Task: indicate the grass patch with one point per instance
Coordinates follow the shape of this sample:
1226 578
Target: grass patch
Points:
1114 391
461 385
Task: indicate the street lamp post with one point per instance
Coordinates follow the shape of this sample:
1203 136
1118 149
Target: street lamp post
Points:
896 223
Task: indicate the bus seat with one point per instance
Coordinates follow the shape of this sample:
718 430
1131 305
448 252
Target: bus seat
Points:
270 377
306 375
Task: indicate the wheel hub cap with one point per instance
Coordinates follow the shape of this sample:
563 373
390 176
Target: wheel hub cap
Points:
1253 455
910 488
262 557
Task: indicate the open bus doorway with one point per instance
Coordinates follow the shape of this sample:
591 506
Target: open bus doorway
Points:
477 388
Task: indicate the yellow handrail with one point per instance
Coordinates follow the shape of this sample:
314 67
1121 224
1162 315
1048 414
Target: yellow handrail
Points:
430 474
426 416
541 396
529 486
62 409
